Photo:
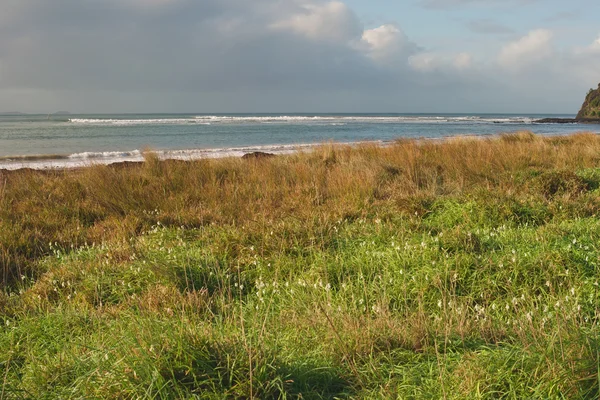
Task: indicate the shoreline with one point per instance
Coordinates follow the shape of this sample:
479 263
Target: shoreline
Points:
62 162
108 139
89 159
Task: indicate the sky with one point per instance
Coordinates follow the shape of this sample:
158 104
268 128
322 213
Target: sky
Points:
205 56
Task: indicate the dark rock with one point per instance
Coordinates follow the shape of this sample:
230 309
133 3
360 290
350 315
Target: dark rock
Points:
556 121
124 164
257 155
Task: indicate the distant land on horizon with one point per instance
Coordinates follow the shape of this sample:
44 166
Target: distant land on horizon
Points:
22 113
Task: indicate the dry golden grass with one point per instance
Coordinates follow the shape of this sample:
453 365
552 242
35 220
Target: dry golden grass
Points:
456 268
72 207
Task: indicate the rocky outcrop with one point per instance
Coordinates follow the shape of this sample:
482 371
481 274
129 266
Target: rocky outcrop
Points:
588 114
590 110
257 155
556 121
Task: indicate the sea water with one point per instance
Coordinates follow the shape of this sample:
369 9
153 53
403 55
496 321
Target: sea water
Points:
48 141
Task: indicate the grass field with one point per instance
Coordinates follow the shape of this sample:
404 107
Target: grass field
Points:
459 269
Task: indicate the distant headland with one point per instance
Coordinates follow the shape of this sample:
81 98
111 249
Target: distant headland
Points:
588 114
8 113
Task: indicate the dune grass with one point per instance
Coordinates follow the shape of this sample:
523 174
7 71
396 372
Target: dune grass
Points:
459 269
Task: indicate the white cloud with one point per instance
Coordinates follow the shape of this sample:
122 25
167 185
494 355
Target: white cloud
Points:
429 62
387 44
534 47
332 21
593 48
463 61
424 62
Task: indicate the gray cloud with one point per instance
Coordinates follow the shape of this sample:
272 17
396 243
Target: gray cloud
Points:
453 3
239 55
488 26
185 46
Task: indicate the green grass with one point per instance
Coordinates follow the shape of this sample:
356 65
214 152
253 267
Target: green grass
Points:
342 283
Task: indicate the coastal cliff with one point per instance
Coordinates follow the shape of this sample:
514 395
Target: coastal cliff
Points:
590 110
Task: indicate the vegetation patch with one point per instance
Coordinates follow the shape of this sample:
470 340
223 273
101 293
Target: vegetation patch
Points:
456 269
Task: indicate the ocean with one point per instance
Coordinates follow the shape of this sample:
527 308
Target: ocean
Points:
57 141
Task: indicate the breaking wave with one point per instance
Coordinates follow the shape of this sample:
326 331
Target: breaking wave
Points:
295 119
110 157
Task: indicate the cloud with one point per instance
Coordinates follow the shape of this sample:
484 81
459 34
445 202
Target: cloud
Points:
424 62
593 48
331 21
596 45
184 45
463 61
488 26
584 62
429 61
145 4
261 55
533 47
263 51
454 3
387 44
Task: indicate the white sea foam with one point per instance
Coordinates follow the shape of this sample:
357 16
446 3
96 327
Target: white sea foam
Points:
110 157
90 155
129 122
300 119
